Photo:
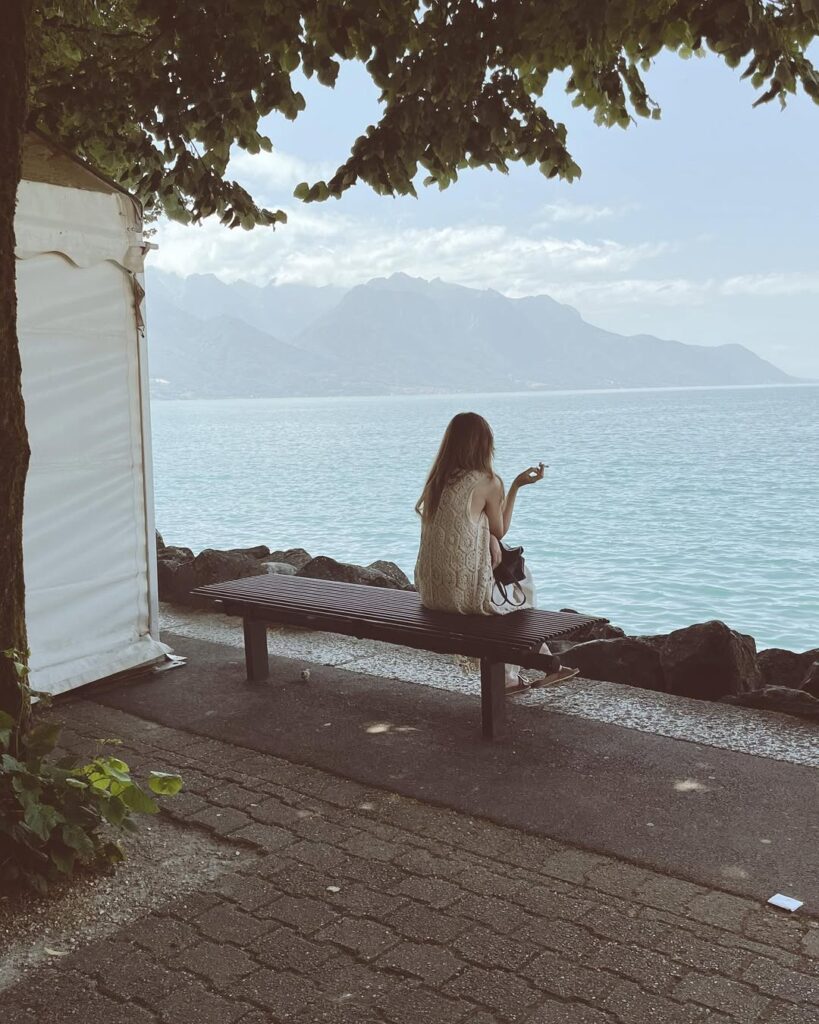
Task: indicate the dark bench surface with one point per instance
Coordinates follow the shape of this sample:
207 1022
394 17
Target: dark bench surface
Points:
393 616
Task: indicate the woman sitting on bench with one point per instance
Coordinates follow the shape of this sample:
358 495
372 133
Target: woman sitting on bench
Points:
464 516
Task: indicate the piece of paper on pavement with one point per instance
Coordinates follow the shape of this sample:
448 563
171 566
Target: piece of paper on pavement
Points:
171 661
785 902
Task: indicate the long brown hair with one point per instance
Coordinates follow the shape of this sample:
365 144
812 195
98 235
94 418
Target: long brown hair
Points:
468 445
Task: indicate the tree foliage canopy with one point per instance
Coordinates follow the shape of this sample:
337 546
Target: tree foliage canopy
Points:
156 93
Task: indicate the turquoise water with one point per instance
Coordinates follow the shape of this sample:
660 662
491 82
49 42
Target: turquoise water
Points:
659 509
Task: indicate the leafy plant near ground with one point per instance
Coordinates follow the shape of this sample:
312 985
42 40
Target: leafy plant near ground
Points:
57 815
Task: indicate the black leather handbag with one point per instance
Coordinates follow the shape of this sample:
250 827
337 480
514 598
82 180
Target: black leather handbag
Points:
508 574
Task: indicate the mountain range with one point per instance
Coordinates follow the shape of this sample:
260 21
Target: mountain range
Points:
403 335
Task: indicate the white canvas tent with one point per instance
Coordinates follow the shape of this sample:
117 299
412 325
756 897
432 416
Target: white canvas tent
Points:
88 530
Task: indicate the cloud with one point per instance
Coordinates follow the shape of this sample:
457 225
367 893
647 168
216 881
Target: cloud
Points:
582 213
682 291
271 177
320 246
633 291
795 283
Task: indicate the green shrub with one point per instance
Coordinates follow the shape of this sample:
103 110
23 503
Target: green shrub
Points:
57 815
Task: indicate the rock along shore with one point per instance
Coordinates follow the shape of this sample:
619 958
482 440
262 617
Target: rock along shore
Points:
707 660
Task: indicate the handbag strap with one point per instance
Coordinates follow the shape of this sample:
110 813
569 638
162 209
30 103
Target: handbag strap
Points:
502 587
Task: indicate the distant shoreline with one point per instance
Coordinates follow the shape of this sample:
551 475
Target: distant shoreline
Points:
534 393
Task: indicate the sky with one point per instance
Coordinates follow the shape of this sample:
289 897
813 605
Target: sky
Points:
701 227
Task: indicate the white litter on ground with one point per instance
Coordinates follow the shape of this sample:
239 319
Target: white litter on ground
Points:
785 902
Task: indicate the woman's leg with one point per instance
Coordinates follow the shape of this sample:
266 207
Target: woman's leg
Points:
556 673
544 649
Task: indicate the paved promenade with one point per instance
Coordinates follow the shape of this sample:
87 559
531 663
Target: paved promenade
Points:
354 905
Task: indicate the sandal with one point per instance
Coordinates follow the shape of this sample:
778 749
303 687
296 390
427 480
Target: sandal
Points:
553 678
520 687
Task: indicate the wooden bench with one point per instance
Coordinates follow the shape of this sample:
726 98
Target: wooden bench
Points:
394 617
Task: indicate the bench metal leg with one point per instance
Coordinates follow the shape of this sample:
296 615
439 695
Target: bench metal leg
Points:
493 699
258 667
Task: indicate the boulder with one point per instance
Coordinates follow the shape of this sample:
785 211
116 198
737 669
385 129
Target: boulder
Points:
709 660
179 572
160 543
390 569
810 684
172 554
211 566
657 641
175 578
259 551
174 572
779 667
561 646
296 557
604 631
279 568
598 631
619 660
785 699
323 568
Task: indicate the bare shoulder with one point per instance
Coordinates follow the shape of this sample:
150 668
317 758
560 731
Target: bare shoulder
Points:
490 486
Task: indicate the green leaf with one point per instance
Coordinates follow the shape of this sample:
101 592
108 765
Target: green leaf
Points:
76 783
41 819
42 739
63 859
78 839
99 781
7 725
112 852
11 764
290 60
114 810
139 801
164 783
116 768
301 191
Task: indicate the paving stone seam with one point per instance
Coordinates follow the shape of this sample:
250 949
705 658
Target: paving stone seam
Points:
114 997
729 939
687 926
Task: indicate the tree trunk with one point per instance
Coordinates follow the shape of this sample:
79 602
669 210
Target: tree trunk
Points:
14 449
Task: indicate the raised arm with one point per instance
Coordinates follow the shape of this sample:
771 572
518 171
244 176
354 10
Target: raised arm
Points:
499 510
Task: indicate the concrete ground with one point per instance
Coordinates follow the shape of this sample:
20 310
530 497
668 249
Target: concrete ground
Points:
393 869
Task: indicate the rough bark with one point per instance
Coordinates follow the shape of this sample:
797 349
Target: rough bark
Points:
14 448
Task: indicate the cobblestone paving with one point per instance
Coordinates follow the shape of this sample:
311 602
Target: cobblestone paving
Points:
356 906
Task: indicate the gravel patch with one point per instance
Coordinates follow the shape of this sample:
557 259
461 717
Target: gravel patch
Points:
163 861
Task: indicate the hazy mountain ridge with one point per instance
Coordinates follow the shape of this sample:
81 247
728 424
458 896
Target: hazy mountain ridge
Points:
209 339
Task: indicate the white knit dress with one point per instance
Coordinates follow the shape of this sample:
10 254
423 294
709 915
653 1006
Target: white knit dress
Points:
453 572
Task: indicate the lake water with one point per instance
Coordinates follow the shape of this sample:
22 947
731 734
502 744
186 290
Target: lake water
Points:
659 509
